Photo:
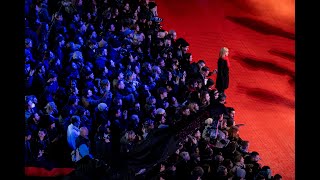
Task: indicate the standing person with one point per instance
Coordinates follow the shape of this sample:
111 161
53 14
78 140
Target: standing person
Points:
222 81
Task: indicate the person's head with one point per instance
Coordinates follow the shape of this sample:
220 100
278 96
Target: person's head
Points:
222 171
126 6
260 176
185 155
227 163
193 106
58 16
137 106
244 146
205 70
210 83
75 120
135 119
197 134
208 121
149 124
197 172
266 172
35 117
163 92
117 101
205 96
185 47
30 104
220 116
120 84
239 158
28 135
222 98
52 124
173 34
50 107
167 42
42 133
84 132
240 173
28 43
224 52
151 100
201 63
185 110
231 112
73 100
255 156
277 177
130 135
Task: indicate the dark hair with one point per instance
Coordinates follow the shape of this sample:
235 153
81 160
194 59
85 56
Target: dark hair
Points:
254 153
162 90
277 176
43 130
75 119
201 61
197 171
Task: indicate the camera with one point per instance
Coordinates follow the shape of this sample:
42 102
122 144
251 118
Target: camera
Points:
156 19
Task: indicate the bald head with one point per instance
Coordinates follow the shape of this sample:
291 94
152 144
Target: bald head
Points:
84 131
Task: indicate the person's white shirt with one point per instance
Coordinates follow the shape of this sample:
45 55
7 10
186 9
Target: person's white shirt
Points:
72 133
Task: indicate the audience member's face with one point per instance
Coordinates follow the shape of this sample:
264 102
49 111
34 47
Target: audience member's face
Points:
127 7
112 63
112 28
121 75
53 125
185 49
80 41
174 100
76 17
36 117
41 134
220 117
89 93
131 136
153 101
94 34
137 69
137 106
119 113
186 156
232 114
161 35
121 85
28 137
84 131
201 65
167 43
174 36
186 112
196 107
197 134
256 158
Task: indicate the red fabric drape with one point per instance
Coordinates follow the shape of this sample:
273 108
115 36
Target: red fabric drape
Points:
227 59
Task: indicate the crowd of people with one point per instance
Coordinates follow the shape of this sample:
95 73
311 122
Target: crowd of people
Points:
111 93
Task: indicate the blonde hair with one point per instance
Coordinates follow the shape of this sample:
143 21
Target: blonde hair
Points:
208 121
223 52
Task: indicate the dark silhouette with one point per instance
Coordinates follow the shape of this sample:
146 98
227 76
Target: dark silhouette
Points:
268 96
282 54
261 27
264 65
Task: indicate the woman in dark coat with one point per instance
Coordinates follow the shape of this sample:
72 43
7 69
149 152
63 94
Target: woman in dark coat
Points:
222 81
